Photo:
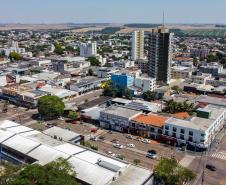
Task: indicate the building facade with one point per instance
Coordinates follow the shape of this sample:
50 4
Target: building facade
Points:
160 55
138 45
88 49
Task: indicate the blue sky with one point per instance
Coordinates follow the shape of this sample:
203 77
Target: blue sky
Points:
114 11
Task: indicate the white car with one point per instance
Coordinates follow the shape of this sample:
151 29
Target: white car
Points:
111 153
130 145
146 141
116 145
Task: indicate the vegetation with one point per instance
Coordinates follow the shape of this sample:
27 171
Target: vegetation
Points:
73 115
170 172
89 145
195 61
120 156
177 89
149 96
50 106
136 161
94 61
58 49
142 25
90 72
110 89
55 173
172 107
15 56
110 30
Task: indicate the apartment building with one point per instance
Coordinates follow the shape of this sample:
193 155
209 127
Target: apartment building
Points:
138 45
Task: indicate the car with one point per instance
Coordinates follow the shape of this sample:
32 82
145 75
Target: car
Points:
211 167
110 132
111 153
49 125
129 137
146 141
138 138
93 138
131 145
60 118
117 145
151 154
114 141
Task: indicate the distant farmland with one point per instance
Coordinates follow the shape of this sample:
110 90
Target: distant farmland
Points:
201 32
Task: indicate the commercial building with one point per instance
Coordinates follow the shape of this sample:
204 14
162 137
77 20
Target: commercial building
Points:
122 80
106 72
180 72
145 83
160 54
88 49
27 146
117 118
211 68
138 45
198 131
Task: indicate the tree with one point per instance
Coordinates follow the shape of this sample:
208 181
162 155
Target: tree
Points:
73 115
149 96
55 173
50 106
58 49
177 89
94 61
212 58
172 106
170 172
136 161
110 89
90 72
15 56
127 93
195 61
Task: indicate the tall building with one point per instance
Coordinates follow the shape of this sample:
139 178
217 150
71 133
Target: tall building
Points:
88 49
160 54
138 45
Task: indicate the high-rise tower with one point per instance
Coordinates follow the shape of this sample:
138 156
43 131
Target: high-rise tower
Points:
138 45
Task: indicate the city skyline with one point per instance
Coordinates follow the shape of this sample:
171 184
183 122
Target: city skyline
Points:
100 11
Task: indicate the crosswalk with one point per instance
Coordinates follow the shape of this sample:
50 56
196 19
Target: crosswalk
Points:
219 155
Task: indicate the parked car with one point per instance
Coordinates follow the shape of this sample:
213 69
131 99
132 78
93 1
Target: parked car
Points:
114 141
211 167
130 145
111 153
93 138
117 145
49 125
151 154
129 137
110 132
146 141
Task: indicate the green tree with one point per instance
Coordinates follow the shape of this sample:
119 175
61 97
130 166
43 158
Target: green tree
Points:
136 161
90 72
110 89
58 49
94 61
149 96
177 89
50 106
55 173
195 61
172 106
170 172
15 56
212 58
73 115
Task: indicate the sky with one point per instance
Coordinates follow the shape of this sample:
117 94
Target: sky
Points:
112 11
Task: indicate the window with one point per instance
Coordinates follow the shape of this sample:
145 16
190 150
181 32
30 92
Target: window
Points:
167 127
167 133
159 131
152 129
174 129
190 133
190 138
202 140
174 135
182 136
182 131
203 135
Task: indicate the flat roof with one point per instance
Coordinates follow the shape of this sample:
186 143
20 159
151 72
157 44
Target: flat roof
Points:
66 135
19 129
211 100
69 149
8 124
45 154
21 144
121 111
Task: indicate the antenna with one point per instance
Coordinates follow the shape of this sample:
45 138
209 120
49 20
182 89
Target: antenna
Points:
163 20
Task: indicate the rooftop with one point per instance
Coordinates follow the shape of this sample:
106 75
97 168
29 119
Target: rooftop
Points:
121 111
151 119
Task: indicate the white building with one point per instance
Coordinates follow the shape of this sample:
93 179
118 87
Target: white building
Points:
106 72
117 118
88 49
146 84
138 45
198 131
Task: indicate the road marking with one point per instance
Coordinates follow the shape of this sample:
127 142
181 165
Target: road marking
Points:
186 161
219 155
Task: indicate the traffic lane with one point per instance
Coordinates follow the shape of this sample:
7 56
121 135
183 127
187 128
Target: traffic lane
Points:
129 155
162 150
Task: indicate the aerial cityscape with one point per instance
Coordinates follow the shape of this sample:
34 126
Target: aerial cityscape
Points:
112 92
